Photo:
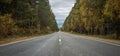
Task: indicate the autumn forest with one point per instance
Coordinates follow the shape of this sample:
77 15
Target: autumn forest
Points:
95 17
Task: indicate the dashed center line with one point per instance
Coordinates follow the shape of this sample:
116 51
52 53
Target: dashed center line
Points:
60 40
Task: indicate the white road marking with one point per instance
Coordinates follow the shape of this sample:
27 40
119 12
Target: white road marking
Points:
107 42
17 42
101 41
60 40
60 43
86 37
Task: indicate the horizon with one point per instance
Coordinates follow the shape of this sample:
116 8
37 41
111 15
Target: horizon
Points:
61 11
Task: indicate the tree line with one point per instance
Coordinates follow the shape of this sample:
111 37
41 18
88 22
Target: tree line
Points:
95 17
26 17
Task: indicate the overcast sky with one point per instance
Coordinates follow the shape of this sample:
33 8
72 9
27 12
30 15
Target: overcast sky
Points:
61 9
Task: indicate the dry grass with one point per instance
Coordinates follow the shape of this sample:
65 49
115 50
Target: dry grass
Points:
17 39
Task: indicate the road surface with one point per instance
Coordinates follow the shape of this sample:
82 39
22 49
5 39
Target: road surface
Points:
60 44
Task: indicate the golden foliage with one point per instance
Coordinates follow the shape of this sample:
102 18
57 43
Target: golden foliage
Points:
6 25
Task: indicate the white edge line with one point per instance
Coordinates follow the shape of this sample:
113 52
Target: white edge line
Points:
85 37
101 41
17 41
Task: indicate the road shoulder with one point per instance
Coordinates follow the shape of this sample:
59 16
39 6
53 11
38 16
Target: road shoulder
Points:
13 40
108 41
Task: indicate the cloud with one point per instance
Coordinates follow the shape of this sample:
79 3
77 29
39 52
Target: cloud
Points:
61 9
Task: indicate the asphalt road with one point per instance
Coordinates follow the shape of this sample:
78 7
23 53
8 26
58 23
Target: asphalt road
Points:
60 44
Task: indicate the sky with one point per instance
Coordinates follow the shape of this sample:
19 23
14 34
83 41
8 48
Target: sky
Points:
61 9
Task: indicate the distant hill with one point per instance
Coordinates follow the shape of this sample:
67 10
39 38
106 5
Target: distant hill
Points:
95 17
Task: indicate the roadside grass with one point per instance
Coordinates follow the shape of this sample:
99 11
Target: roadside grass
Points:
98 37
11 39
